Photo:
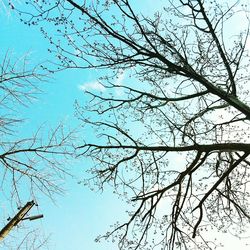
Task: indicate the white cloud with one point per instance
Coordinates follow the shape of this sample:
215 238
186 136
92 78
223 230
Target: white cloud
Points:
98 86
92 86
119 82
120 78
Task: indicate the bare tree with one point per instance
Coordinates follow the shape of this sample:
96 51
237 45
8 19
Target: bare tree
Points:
26 239
31 164
34 160
177 133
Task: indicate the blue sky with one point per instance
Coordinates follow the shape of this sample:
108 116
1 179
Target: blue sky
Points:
79 215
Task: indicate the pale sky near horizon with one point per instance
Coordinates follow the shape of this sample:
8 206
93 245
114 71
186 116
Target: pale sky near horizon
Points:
80 214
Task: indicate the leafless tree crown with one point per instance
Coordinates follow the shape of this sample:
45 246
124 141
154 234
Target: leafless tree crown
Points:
176 130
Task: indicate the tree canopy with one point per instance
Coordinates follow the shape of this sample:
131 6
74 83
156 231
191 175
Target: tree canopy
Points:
175 131
31 163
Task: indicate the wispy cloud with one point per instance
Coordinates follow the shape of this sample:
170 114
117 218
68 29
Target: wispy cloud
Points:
98 86
119 82
95 85
120 78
